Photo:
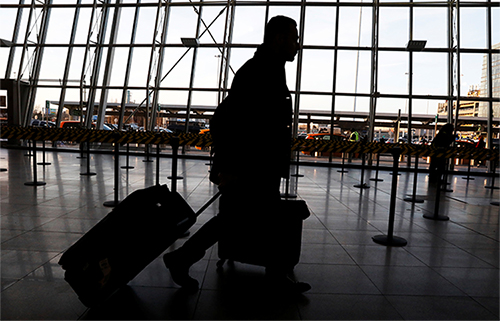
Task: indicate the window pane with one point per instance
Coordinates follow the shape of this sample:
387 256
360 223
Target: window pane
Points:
320 26
346 72
472 28
349 31
248 24
430 73
180 74
393 29
317 70
207 68
392 77
182 24
431 24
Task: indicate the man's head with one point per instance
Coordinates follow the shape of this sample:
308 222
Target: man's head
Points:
282 37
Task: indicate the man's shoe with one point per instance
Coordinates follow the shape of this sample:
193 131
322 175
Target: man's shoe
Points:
179 271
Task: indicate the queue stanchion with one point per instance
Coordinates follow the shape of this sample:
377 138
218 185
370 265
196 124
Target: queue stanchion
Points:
127 165
492 186
43 155
342 170
468 169
436 215
174 142
287 193
88 173
414 198
362 184
29 153
35 181
147 160
376 179
297 167
445 178
81 151
390 239
158 164
115 201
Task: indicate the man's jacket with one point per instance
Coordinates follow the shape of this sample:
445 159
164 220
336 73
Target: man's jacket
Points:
251 128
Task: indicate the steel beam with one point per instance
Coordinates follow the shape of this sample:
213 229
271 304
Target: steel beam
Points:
37 62
96 67
103 101
124 100
68 65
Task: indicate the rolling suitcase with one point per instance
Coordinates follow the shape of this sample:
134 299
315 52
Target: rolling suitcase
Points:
273 237
124 242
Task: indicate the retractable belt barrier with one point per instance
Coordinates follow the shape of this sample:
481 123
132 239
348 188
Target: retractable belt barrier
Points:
205 140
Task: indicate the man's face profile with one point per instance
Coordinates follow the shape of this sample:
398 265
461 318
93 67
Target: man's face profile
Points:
290 43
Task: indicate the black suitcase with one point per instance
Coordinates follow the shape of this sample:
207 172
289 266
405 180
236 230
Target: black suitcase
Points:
271 237
124 242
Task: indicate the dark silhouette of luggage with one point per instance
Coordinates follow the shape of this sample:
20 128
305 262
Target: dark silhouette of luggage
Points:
270 238
124 242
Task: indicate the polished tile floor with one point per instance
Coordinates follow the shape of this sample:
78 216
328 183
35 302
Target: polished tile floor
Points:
448 269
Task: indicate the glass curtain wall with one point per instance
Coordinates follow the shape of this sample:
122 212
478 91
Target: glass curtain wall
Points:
365 64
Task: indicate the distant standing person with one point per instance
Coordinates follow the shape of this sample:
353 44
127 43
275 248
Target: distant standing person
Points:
480 145
443 139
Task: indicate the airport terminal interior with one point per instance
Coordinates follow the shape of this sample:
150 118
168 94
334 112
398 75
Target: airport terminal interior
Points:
378 245
447 271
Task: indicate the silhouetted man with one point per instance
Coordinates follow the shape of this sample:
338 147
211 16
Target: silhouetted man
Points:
443 139
249 162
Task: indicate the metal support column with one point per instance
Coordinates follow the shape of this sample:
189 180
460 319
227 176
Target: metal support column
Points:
15 35
37 61
159 68
96 67
298 78
68 64
374 71
103 101
193 68
124 100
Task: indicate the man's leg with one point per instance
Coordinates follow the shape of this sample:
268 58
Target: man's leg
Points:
193 250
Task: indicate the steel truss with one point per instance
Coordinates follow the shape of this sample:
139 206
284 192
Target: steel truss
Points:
96 66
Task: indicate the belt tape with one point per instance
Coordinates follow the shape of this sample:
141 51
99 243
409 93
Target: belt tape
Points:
205 140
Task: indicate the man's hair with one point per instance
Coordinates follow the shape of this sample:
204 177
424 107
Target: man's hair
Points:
278 25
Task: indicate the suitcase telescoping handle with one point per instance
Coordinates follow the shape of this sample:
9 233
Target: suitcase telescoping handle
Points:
207 204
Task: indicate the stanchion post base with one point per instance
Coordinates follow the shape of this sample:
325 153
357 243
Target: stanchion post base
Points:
147 160
468 178
413 200
287 195
361 185
127 167
88 174
399 174
297 175
42 163
38 183
389 241
3 169
496 203
492 187
436 217
177 177
111 203
342 171
376 179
